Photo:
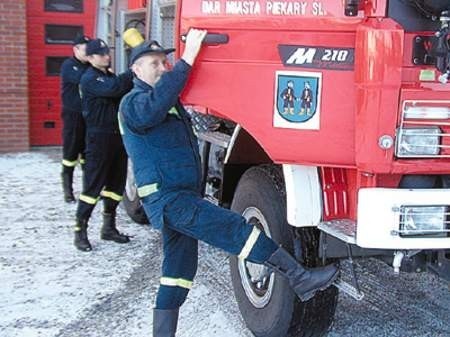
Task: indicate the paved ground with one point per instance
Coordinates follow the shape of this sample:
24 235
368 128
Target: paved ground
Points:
48 289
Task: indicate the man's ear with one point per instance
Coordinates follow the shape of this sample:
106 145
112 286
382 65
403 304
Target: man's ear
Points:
133 68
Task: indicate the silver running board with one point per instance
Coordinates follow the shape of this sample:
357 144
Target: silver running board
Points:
343 229
349 289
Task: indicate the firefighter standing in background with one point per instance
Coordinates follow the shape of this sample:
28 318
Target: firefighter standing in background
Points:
154 122
106 160
73 123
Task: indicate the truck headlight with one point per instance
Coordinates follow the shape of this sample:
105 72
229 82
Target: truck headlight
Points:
418 142
427 112
423 221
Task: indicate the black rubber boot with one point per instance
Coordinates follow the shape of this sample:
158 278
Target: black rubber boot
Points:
81 240
109 231
165 322
67 181
305 282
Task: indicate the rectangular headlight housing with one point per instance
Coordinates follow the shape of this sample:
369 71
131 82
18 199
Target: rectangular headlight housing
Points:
422 221
427 112
418 142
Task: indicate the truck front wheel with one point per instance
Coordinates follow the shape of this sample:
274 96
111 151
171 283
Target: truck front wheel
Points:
267 303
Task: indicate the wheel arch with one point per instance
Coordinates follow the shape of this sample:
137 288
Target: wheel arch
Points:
302 183
243 152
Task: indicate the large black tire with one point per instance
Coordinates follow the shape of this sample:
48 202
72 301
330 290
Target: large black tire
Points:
270 308
131 201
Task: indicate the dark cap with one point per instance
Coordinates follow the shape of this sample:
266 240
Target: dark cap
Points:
151 47
97 46
81 39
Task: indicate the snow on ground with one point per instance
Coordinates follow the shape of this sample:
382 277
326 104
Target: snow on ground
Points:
47 285
49 289
45 282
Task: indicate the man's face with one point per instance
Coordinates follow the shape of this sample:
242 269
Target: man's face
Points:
79 51
149 68
99 61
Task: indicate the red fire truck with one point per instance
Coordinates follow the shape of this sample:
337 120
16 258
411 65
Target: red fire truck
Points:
327 125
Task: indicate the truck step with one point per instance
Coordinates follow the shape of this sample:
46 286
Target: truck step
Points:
348 289
214 137
343 229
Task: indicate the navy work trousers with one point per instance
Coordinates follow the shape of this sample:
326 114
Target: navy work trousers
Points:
189 218
73 135
105 173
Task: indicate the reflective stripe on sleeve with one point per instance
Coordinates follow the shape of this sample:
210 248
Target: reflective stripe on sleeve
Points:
176 282
88 200
252 238
82 161
174 111
146 190
69 163
111 195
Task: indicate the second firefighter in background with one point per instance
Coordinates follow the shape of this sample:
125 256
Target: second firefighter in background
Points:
73 124
106 160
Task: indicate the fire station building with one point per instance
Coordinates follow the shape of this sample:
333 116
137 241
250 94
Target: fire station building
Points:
36 37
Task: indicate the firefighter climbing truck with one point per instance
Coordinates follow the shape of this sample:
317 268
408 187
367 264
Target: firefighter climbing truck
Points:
327 125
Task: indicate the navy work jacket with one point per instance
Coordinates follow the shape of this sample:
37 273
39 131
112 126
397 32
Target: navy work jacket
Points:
158 136
100 95
71 71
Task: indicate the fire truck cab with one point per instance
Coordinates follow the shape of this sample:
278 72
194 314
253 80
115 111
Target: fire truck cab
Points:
327 125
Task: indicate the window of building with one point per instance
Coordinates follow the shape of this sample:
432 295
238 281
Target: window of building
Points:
53 65
60 34
75 6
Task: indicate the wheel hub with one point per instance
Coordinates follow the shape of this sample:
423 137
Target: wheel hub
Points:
257 280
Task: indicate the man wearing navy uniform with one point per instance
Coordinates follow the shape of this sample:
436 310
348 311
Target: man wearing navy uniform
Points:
158 136
106 160
73 124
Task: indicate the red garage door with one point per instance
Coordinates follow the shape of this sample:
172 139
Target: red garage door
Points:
52 26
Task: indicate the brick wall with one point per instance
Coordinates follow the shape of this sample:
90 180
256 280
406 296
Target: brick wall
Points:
14 112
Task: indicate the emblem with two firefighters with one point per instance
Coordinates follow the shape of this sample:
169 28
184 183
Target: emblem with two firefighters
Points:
297 99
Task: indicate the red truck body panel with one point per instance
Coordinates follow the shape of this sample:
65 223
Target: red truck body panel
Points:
358 98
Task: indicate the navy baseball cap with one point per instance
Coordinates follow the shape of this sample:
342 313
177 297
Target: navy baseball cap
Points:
81 39
145 48
97 46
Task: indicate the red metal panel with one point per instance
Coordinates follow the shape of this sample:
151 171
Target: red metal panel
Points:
335 193
357 106
245 70
135 4
44 91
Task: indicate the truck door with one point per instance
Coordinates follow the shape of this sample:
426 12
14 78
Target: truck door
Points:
261 49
